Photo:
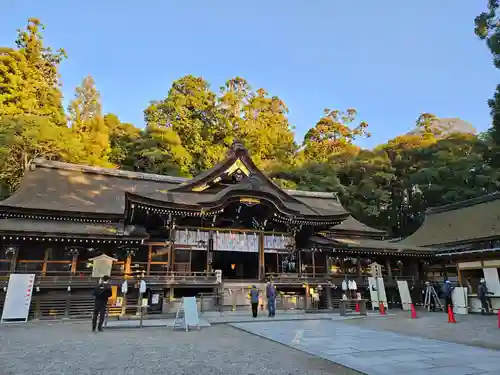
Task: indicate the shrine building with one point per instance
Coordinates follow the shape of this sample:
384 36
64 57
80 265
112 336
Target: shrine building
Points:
176 232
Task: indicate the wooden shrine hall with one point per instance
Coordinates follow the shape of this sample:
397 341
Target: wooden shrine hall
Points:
175 232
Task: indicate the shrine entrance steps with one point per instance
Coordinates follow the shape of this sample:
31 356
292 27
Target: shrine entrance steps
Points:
235 293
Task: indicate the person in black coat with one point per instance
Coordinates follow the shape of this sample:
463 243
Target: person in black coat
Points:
101 293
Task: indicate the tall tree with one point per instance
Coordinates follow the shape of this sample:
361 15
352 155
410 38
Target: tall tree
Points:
123 138
333 135
88 125
29 78
190 111
24 138
487 27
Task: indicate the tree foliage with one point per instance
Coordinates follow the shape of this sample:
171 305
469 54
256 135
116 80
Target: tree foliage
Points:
191 128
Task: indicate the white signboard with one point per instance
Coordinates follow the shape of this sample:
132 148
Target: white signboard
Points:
492 281
18 298
102 265
191 318
459 299
404 293
377 291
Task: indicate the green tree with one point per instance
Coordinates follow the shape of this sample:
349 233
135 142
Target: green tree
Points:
333 135
123 138
29 78
160 151
24 138
88 125
487 27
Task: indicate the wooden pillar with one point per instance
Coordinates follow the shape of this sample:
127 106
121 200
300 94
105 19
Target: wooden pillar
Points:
313 264
45 259
171 258
74 261
190 260
128 265
14 250
262 270
358 267
150 252
388 267
278 263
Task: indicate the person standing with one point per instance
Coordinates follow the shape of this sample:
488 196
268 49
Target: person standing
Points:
271 298
482 294
101 293
447 292
254 299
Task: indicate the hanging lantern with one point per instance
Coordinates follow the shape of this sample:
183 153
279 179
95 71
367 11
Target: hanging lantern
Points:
233 266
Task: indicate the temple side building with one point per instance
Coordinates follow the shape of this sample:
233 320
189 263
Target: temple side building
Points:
466 239
175 232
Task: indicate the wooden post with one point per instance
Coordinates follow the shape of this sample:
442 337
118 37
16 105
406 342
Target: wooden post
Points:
388 266
358 267
148 267
190 259
277 263
313 264
262 271
128 265
74 262
13 260
45 259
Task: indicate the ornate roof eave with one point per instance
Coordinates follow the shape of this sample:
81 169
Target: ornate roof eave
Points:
359 248
39 214
347 233
285 215
63 238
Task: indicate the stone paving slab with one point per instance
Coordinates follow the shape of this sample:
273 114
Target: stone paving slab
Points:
377 352
167 323
71 349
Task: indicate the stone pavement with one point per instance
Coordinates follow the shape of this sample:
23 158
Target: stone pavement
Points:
377 352
71 349
473 329
208 318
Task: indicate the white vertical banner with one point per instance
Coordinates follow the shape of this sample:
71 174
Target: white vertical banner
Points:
18 299
404 293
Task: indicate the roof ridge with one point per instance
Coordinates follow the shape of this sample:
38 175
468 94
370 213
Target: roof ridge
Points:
463 204
42 163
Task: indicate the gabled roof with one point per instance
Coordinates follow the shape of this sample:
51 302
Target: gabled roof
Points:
61 189
252 187
461 222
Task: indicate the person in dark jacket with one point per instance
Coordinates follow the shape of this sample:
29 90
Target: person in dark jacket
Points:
271 299
101 293
447 292
254 299
482 294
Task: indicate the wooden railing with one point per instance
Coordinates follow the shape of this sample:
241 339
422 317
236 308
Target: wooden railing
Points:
64 279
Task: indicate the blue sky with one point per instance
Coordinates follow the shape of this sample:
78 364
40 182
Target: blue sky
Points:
390 59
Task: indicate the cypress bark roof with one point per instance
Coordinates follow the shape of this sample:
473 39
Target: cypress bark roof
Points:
63 189
460 222
51 228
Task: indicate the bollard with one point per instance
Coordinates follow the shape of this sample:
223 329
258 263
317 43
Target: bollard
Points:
342 306
413 311
451 316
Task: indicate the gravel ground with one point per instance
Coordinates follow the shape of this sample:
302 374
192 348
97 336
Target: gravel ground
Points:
55 348
475 330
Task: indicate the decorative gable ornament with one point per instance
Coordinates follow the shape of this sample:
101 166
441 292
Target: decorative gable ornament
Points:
102 265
